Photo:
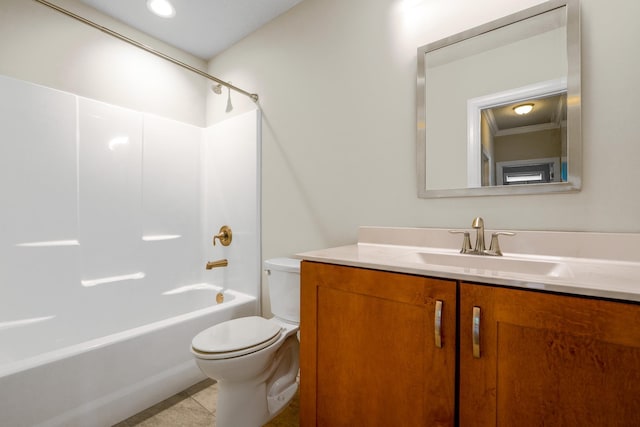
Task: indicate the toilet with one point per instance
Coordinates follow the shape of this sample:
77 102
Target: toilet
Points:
253 359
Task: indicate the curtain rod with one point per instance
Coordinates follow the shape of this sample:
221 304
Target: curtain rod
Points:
135 43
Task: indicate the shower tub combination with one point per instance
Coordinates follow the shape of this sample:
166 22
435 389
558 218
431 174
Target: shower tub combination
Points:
107 221
104 380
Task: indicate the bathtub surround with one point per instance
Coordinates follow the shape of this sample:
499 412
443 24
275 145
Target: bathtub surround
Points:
232 197
107 220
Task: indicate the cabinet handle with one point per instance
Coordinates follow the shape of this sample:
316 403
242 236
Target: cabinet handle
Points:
438 323
476 332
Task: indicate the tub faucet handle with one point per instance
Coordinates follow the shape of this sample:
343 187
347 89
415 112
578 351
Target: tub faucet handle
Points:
224 236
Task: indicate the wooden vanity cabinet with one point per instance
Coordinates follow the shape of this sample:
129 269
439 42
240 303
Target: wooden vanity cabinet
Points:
548 360
368 348
524 358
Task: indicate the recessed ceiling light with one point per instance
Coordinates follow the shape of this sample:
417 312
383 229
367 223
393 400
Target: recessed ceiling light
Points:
523 109
161 8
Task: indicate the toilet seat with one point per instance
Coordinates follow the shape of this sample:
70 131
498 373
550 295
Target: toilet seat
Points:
236 337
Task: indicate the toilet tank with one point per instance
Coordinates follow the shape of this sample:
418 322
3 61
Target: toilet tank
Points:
283 279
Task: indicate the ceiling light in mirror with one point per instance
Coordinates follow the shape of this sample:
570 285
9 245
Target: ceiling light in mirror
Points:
523 109
161 8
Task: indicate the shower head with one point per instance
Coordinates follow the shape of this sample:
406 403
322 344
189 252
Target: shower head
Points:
229 106
218 90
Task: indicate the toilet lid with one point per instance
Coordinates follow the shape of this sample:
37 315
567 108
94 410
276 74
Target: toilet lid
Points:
236 337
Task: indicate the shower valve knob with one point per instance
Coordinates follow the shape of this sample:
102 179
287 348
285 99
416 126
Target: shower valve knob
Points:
224 236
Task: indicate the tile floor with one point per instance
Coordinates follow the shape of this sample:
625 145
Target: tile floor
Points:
195 407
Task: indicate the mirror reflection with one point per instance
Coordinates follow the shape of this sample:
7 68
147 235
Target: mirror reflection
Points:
524 142
472 134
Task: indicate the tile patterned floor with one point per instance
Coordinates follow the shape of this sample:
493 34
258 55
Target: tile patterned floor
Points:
195 407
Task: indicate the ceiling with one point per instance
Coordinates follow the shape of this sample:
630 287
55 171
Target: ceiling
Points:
203 28
550 111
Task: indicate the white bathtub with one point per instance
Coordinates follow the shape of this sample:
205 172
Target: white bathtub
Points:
101 381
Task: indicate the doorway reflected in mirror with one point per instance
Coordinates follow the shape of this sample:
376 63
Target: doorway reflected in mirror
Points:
524 148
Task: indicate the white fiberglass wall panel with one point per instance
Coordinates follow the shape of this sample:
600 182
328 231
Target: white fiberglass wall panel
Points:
110 141
38 218
171 203
38 169
231 171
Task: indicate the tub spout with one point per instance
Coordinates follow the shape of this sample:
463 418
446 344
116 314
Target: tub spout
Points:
216 264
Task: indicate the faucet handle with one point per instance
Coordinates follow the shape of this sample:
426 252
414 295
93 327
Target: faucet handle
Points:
224 236
466 240
494 248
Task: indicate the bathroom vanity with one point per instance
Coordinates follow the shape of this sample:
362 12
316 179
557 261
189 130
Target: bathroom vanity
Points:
401 329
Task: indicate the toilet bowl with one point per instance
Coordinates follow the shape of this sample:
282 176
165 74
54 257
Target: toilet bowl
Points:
253 359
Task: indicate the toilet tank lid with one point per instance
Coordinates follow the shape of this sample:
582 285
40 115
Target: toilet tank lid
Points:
283 264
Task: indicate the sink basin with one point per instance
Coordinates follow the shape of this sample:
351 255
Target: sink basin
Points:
491 264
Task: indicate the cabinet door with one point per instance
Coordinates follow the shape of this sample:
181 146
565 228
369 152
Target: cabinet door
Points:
368 348
548 360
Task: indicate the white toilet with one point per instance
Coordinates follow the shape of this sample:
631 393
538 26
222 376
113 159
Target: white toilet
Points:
253 359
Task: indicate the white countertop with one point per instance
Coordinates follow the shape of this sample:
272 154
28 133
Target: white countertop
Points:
605 265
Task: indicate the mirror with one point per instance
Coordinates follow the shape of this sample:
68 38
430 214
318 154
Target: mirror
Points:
471 141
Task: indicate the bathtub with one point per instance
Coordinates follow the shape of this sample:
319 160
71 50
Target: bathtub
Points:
101 381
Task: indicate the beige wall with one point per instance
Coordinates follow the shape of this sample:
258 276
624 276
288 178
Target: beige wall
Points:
337 86
533 145
40 45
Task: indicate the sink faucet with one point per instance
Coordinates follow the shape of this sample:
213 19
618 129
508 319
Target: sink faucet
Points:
478 225
480 247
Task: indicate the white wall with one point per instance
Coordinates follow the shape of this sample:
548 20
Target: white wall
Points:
43 46
336 81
